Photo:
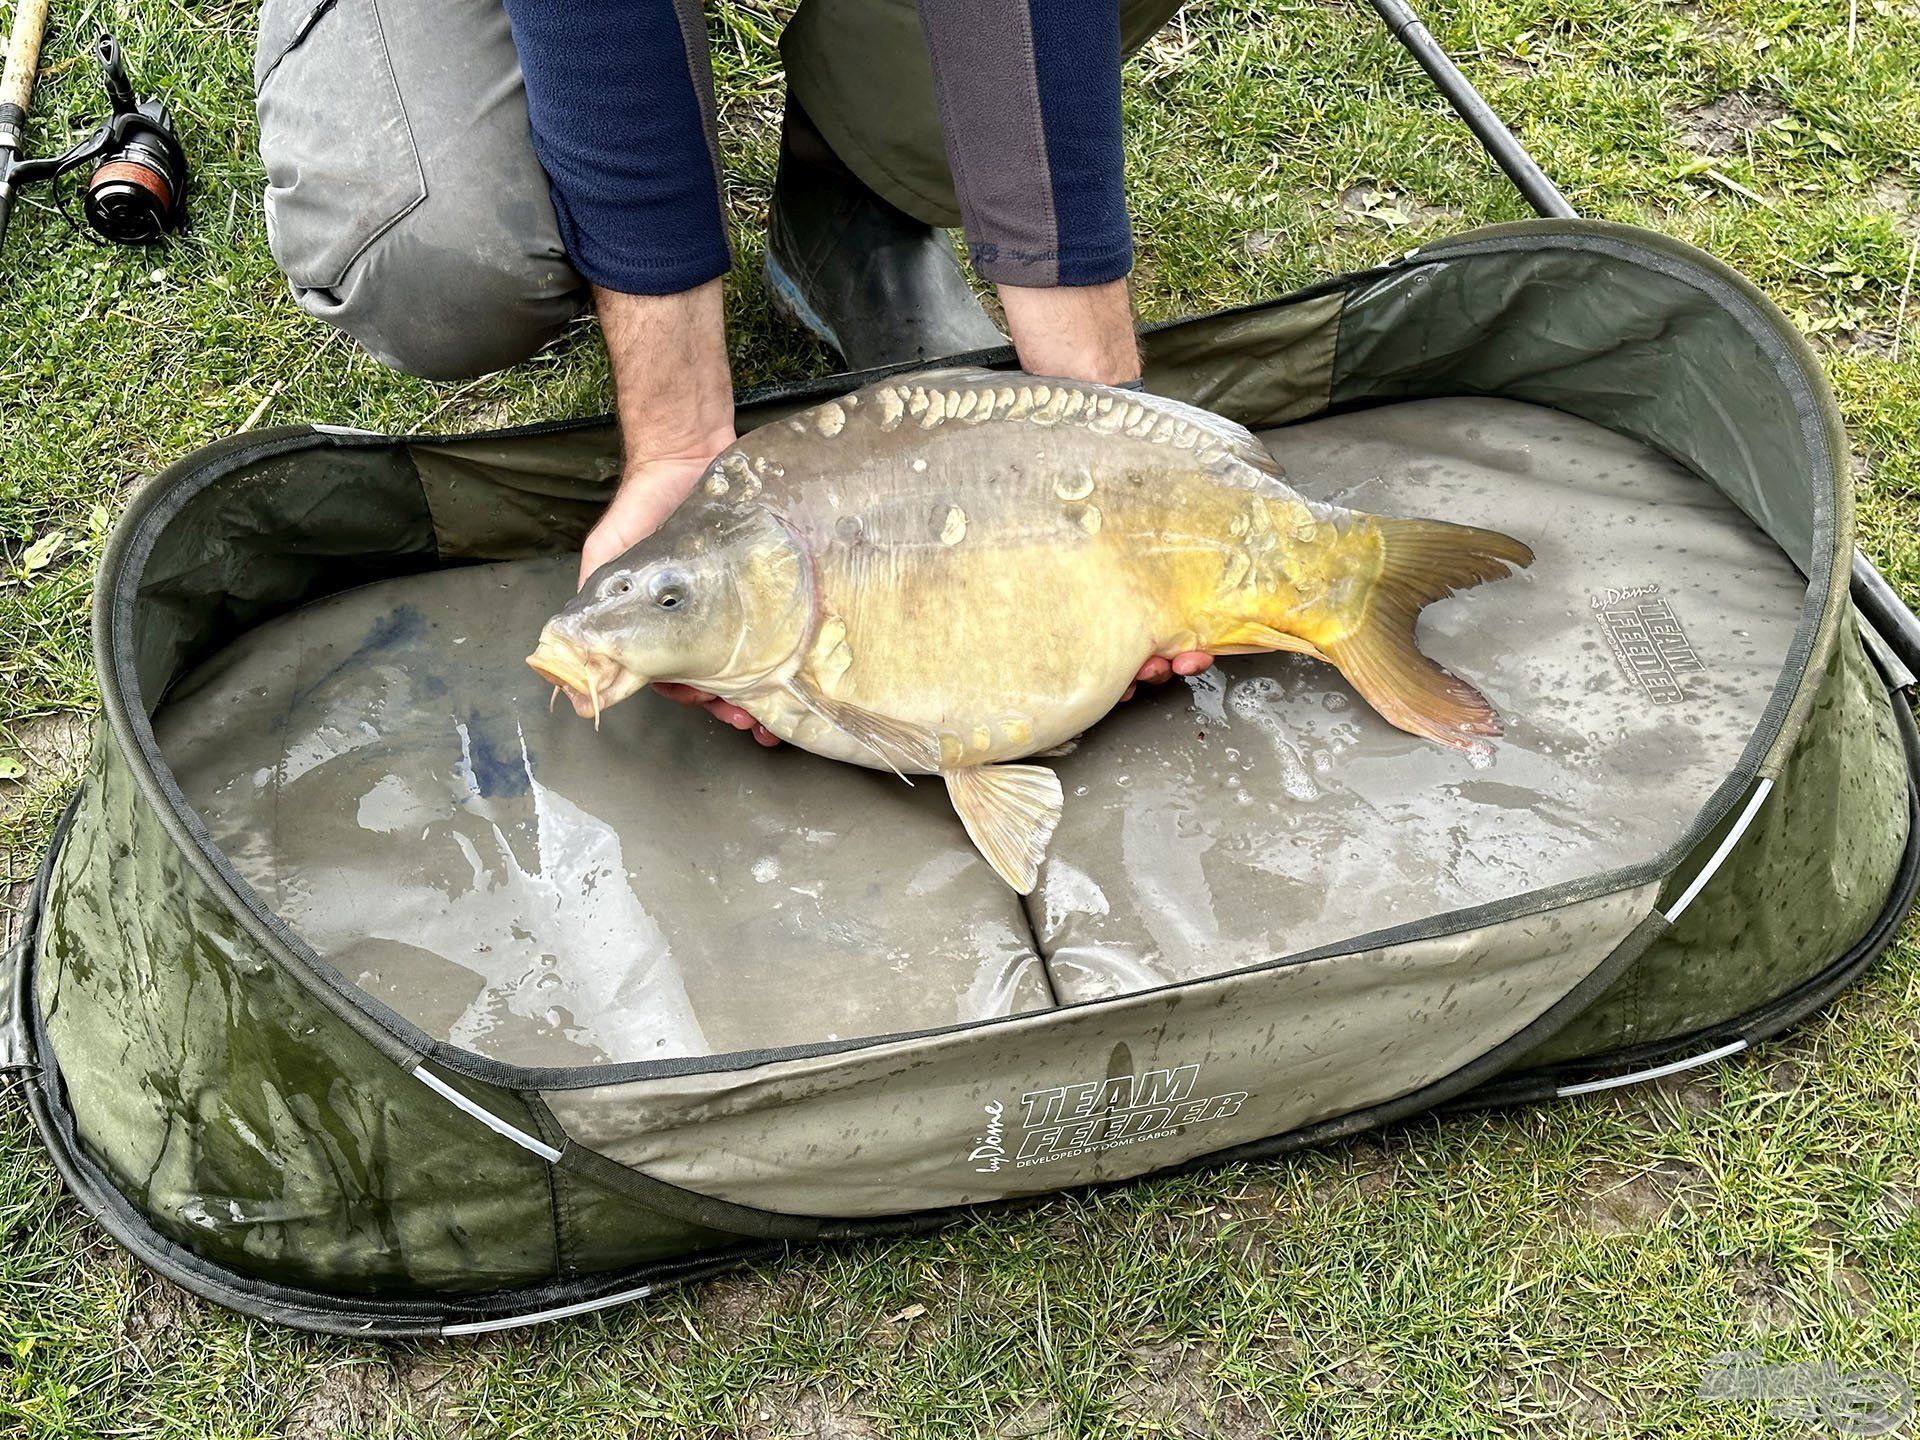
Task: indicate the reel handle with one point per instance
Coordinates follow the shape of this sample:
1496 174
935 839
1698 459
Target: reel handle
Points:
113 72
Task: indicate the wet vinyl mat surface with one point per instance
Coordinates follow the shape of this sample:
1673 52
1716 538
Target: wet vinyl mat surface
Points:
383 768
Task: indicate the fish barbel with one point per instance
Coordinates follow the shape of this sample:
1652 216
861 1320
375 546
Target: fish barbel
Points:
947 572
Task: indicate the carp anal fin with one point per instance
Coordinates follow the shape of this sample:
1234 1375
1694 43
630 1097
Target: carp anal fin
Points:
1423 561
1253 637
1010 812
901 746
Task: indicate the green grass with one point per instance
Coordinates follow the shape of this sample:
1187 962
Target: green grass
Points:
1564 1270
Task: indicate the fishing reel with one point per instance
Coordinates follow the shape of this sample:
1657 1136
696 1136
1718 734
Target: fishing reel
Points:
136 191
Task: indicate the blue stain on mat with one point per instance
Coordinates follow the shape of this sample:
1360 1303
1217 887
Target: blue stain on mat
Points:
400 626
491 773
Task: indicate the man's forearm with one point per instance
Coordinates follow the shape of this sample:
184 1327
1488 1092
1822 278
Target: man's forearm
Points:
1077 332
674 397
672 388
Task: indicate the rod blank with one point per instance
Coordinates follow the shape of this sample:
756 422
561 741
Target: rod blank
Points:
1499 142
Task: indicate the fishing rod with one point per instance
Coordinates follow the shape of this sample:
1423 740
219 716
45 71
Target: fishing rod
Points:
16 91
137 189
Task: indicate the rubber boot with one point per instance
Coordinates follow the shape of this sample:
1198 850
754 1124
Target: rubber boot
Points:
871 281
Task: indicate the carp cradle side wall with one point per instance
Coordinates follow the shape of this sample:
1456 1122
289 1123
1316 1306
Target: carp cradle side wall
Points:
249 1121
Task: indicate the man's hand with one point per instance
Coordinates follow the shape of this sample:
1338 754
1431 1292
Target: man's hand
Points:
1085 332
1158 670
649 492
725 711
674 395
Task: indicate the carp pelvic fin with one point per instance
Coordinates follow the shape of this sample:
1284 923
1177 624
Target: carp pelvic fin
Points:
1010 812
1423 561
901 746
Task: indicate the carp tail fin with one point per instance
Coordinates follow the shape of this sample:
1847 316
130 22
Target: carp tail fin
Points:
1423 561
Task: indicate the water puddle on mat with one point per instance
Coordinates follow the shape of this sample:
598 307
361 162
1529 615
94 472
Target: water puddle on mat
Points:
572 948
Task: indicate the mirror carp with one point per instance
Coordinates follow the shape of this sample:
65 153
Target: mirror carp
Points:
950 572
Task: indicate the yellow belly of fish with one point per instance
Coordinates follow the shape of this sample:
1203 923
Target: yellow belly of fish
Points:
1000 654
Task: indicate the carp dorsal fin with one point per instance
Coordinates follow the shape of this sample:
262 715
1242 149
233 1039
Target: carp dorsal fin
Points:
1010 812
960 375
900 745
1235 439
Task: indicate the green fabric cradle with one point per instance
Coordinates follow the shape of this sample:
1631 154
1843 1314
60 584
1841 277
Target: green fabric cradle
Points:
260 1059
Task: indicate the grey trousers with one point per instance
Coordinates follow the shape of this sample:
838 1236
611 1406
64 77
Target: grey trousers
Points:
404 202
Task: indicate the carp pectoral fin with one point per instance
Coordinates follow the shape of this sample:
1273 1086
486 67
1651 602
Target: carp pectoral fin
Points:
902 746
1010 812
1423 561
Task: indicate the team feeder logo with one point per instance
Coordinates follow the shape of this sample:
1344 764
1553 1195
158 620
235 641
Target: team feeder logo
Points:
1073 1120
1647 642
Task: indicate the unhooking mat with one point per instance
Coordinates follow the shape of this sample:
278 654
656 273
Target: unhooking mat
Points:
383 768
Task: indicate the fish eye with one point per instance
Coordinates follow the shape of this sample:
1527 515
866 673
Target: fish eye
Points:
617 584
668 589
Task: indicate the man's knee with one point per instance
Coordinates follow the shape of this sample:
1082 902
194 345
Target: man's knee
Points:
448 306
404 202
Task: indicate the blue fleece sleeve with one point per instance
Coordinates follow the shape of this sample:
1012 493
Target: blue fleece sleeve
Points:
620 99
1029 95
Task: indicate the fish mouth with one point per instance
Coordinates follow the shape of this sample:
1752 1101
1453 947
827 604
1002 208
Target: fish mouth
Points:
592 682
